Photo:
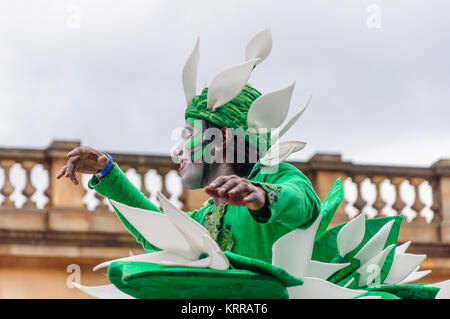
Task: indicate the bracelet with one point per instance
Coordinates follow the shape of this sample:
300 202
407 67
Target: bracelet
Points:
107 169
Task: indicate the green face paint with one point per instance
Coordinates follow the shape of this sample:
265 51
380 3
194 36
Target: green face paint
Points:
196 140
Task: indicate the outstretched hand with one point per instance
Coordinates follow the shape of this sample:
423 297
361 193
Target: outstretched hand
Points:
237 191
83 160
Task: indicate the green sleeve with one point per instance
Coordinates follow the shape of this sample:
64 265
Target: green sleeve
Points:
291 199
118 187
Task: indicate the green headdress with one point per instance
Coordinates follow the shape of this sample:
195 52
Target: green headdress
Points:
230 101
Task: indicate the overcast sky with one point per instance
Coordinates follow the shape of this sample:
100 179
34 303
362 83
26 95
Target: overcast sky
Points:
108 73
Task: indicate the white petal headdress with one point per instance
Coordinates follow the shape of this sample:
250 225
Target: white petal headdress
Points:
266 113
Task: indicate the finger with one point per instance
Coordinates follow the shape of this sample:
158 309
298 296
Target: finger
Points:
239 190
102 159
74 179
61 172
75 152
71 165
211 192
230 184
220 181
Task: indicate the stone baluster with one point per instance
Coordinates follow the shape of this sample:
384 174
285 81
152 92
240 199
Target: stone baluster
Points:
163 172
184 198
29 189
101 201
7 188
398 203
360 202
142 171
379 202
48 190
417 206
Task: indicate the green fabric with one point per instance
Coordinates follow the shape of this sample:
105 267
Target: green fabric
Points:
405 291
297 207
232 114
329 206
153 281
242 262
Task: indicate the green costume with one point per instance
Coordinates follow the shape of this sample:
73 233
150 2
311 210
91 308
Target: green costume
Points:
284 250
294 205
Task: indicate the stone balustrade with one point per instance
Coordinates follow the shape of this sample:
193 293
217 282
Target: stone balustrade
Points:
61 217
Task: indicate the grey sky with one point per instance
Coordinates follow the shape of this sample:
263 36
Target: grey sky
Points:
379 95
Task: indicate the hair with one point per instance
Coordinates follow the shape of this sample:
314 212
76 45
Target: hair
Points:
240 168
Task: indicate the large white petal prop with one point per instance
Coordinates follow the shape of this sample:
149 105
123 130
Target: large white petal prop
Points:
270 110
189 74
189 228
372 269
375 244
196 235
228 84
103 292
323 270
316 288
277 135
156 229
403 265
293 251
281 151
259 46
351 234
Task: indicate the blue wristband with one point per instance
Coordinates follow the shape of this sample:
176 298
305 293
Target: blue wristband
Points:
107 169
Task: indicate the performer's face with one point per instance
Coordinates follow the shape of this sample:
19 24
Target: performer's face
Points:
189 152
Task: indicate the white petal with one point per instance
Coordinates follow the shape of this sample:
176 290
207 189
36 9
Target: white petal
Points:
259 46
196 235
351 234
103 292
277 135
228 84
444 292
269 110
189 228
375 244
372 268
316 288
415 275
440 284
403 247
281 151
323 270
189 74
158 257
444 289
402 266
157 229
293 251
218 260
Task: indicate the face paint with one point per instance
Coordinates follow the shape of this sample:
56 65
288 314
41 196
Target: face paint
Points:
195 144
190 151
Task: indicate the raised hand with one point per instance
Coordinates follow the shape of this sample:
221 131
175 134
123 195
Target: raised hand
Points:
237 191
83 160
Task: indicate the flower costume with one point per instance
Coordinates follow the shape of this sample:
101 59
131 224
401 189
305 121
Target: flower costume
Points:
284 251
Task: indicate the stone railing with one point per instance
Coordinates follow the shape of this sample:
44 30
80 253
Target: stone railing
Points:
39 209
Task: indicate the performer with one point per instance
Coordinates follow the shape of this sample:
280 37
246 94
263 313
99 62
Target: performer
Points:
264 231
